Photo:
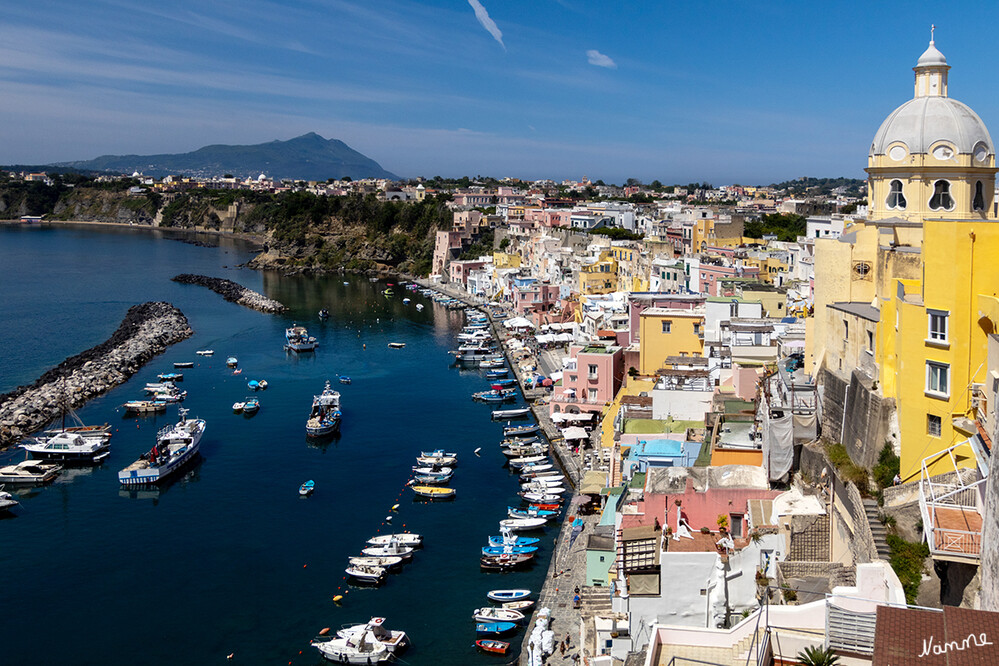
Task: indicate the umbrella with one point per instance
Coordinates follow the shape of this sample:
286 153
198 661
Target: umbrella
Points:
546 381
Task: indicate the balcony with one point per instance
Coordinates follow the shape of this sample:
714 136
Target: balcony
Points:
951 509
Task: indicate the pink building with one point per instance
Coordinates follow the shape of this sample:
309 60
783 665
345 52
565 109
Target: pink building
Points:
590 380
447 244
537 297
459 270
711 275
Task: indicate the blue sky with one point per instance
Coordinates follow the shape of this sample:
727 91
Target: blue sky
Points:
729 92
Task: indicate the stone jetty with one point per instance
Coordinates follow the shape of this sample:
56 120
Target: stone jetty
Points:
145 331
233 292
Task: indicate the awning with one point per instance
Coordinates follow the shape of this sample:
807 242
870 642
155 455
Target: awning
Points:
574 432
518 322
593 482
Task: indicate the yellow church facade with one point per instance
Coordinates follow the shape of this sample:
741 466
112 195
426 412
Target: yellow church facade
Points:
908 297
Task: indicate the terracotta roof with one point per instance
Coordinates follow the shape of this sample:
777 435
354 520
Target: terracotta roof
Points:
955 637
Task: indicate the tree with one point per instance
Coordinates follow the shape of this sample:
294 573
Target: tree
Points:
817 656
656 185
633 182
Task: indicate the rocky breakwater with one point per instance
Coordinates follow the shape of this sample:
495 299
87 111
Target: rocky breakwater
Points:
233 292
145 331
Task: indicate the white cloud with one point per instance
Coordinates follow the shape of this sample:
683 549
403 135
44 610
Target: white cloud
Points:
597 58
487 23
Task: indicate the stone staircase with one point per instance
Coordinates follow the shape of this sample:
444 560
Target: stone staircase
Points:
595 600
877 529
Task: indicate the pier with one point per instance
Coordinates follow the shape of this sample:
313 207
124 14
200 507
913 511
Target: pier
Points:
233 292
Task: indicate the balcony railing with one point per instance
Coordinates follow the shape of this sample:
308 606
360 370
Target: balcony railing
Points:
951 511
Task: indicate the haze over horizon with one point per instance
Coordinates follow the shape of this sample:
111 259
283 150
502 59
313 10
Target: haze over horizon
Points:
558 89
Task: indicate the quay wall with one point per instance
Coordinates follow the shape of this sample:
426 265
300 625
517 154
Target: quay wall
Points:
233 292
146 331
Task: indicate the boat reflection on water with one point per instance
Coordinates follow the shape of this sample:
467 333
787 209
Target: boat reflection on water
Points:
190 474
323 442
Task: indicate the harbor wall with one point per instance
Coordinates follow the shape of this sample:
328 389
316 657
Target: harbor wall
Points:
147 330
233 292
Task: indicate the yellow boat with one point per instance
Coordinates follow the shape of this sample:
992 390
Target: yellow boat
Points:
434 492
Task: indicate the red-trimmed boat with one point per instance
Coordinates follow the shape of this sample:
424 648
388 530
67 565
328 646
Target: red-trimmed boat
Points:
490 645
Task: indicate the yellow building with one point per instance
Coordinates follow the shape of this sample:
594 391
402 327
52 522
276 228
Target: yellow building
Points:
506 260
669 332
907 297
600 277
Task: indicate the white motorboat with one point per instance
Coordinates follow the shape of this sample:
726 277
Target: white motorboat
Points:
522 524
434 470
205 352
492 614
7 501
540 498
516 463
503 414
391 549
419 306
69 447
542 481
238 406
384 562
365 573
29 473
395 641
405 538
175 445
356 649
299 340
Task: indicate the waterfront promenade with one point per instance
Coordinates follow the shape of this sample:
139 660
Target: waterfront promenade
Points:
567 569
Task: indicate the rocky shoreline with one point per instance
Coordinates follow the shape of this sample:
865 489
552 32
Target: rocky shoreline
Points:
233 292
146 330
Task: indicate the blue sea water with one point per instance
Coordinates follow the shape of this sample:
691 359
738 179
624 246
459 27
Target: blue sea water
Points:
228 558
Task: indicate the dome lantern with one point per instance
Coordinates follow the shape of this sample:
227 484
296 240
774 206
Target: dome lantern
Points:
931 71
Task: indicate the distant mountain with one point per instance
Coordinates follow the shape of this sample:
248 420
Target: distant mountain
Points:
308 157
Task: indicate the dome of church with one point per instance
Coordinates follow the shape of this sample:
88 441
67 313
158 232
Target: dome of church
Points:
923 121
931 57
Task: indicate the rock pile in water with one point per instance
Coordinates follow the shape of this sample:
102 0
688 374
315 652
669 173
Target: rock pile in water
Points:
233 292
145 331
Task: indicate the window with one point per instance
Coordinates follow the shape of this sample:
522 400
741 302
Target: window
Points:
666 326
697 328
979 201
937 379
937 325
941 199
895 197
846 330
735 520
593 371
870 341
933 425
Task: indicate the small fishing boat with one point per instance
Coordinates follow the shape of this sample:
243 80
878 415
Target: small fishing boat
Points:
552 506
537 469
405 538
441 460
419 306
170 376
405 301
434 492
205 352
324 314
515 512
525 451
430 480
518 605
497 373
517 463
396 345
389 292
494 628
522 524
540 498
183 364
344 380
394 641
543 482
307 488
508 595
232 362
324 419
299 340
492 646
366 574
253 385
390 549
440 453
175 446
29 473
251 406
158 387
512 550
505 414
505 562
520 441
509 539
354 649
385 561
237 407
493 614
144 406
262 384
500 384
517 431
433 470
7 501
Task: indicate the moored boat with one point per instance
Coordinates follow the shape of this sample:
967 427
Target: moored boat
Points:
394 640
69 447
324 314
307 488
405 538
7 501
232 362
396 345
355 649
324 419
508 550
175 445
492 645
493 614
522 524
518 605
385 561
390 549
238 406
205 352
144 406
517 431
433 492
494 628
509 539
170 376
504 414
251 406
514 512
505 562
183 364
29 473
299 340
366 574
508 595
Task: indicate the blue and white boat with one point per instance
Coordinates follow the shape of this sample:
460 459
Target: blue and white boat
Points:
514 550
251 406
494 628
508 595
253 385
515 512
497 373
170 376
520 431
513 541
324 419
306 488
175 445
299 339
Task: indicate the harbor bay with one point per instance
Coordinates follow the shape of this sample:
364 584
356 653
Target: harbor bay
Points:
227 558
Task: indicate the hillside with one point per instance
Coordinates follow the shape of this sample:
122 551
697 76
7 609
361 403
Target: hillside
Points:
308 157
